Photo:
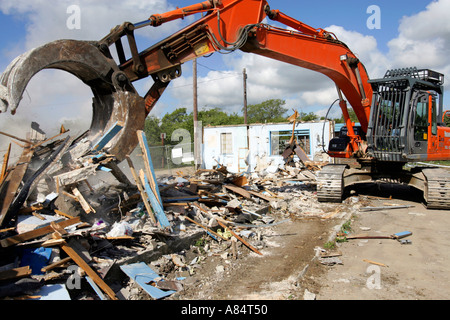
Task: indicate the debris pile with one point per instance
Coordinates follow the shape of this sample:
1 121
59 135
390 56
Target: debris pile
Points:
74 225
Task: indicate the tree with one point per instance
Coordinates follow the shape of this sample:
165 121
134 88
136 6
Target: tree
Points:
217 117
152 130
447 118
268 111
352 115
308 116
178 119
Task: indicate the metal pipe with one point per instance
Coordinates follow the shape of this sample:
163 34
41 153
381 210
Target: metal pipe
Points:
142 24
358 79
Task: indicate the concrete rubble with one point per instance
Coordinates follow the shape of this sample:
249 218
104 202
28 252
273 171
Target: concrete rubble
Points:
80 223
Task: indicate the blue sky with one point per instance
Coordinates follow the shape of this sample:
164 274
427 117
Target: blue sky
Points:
412 33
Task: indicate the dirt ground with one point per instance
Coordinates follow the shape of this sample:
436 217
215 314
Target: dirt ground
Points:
415 271
290 267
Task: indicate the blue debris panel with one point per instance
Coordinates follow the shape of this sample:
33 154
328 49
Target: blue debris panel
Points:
143 275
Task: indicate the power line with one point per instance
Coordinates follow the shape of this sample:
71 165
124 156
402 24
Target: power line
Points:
224 72
205 81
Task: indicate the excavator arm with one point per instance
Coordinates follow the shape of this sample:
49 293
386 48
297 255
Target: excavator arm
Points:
225 26
232 25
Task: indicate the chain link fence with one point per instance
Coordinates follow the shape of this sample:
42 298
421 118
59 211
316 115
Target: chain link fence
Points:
168 158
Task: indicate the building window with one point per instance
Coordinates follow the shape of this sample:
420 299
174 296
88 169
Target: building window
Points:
226 143
279 141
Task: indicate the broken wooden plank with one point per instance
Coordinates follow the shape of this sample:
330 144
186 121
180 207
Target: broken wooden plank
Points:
395 236
118 238
44 141
15 273
238 190
77 175
157 206
148 164
17 138
261 195
63 214
141 190
108 136
7 229
385 207
248 245
207 229
60 230
37 215
29 209
240 181
13 181
52 243
301 154
57 263
36 233
89 271
5 163
34 178
69 195
375 263
84 204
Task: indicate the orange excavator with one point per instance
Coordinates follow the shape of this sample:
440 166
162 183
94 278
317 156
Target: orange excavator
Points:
400 115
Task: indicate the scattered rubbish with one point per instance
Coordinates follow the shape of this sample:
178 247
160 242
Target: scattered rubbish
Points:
330 261
119 229
67 203
375 263
144 276
385 207
309 295
395 236
52 292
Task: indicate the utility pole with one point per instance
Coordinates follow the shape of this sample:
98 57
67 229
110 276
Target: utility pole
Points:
195 112
244 76
194 86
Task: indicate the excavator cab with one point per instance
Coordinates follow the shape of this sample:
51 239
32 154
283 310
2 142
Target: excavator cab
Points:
403 123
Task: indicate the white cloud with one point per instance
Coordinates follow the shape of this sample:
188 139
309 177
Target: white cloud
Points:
365 47
424 39
47 20
53 97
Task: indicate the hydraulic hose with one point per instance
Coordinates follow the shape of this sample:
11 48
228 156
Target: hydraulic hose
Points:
323 128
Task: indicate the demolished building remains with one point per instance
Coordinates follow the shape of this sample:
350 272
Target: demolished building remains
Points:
81 228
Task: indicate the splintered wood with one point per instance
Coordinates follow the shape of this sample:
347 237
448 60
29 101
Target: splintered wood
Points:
13 240
84 204
13 181
240 239
89 271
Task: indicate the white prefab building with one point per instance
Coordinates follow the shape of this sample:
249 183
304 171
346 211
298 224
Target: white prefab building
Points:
257 145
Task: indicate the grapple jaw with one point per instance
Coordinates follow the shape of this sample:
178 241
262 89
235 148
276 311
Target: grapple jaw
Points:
115 99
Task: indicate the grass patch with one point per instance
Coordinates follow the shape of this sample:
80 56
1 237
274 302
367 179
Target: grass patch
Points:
345 229
330 245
